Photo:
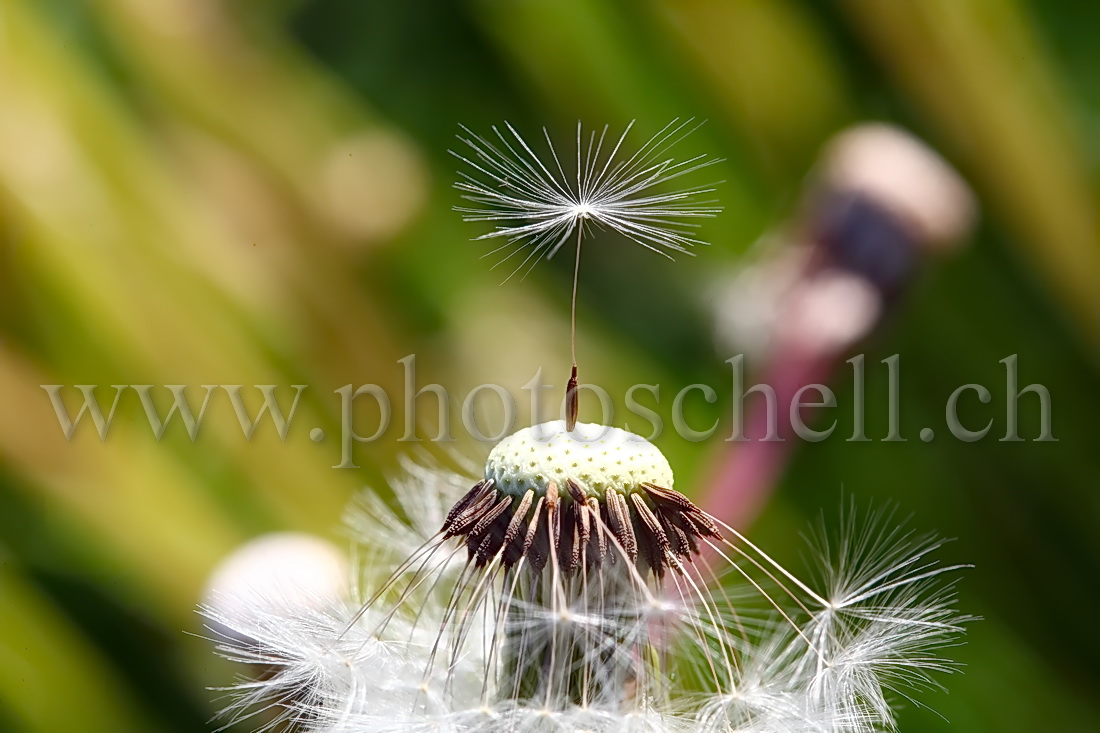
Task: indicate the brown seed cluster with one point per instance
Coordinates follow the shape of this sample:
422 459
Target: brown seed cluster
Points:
654 527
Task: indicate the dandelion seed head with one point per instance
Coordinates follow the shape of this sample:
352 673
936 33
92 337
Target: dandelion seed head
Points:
573 611
278 566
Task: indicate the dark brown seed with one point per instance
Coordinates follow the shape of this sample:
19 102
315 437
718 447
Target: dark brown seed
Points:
492 541
553 523
620 525
490 515
537 543
678 539
576 491
649 552
598 540
513 541
655 543
575 555
683 527
472 514
649 519
551 495
462 504
705 525
670 497
484 540
572 401
584 530
568 551
533 525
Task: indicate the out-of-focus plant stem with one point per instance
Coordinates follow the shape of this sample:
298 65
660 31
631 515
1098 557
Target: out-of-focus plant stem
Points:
984 80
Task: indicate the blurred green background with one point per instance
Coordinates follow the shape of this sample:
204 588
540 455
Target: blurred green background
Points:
242 192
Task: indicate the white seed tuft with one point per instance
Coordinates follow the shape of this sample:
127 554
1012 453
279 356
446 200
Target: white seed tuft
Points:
538 207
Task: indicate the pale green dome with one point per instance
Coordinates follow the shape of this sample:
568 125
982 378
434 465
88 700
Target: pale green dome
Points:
597 457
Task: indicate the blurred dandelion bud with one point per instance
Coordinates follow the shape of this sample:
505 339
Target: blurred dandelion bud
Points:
566 590
248 598
893 169
877 203
278 570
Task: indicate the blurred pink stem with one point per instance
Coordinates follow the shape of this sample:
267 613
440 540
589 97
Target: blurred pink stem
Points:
746 472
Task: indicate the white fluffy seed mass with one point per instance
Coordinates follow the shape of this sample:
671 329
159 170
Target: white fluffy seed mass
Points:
432 642
597 457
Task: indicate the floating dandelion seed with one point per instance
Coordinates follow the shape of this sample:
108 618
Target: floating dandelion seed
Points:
539 207
566 591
